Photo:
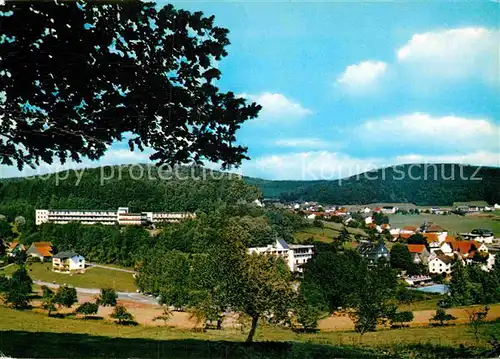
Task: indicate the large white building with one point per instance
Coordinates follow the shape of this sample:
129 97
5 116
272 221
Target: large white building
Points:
122 216
295 255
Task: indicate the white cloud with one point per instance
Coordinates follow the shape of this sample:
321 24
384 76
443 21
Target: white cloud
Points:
302 142
363 76
454 53
276 105
423 129
324 165
310 165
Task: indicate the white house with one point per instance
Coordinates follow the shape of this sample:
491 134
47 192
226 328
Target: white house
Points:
369 220
389 209
496 206
440 263
295 255
366 210
68 261
444 247
480 235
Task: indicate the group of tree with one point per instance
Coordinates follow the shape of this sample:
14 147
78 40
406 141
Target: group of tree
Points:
64 297
470 284
402 260
17 289
223 278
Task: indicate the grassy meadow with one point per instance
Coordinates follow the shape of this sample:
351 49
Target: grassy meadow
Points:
92 278
453 223
32 334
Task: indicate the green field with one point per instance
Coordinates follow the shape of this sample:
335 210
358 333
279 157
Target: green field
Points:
92 278
453 223
326 234
30 334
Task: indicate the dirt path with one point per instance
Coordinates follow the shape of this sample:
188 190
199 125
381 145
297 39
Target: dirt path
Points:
421 318
144 314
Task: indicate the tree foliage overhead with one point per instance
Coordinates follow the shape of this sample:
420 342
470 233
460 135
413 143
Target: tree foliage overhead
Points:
78 76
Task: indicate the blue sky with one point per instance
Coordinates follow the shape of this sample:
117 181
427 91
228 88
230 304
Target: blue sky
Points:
352 86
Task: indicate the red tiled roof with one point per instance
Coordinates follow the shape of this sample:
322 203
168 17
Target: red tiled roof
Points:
405 235
410 228
416 248
13 245
44 248
450 239
464 247
435 228
431 237
384 226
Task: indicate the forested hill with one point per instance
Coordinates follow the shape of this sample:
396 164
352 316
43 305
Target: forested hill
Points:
192 189
440 184
139 187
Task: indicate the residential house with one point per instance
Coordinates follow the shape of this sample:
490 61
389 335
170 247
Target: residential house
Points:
368 220
295 255
409 229
68 261
373 252
389 209
419 253
366 210
469 250
13 248
444 247
440 263
480 235
40 250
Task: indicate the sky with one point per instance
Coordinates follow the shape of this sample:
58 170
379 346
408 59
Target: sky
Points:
351 86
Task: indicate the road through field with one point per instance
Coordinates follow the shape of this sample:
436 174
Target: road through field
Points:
128 296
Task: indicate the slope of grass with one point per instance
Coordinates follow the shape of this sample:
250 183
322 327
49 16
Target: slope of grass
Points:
30 334
92 278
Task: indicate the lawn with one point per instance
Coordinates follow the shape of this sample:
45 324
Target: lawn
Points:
30 334
92 278
453 223
326 234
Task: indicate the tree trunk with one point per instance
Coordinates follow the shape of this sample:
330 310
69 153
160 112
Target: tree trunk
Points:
255 320
219 324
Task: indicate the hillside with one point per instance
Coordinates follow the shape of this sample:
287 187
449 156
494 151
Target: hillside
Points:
442 184
139 187
156 191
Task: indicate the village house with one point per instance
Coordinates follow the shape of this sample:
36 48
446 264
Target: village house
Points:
295 255
419 253
67 262
14 248
389 209
40 250
480 235
440 263
373 252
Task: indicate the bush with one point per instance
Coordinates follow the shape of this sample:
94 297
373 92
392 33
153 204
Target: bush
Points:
318 223
87 308
398 319
108 297
121 313
441 317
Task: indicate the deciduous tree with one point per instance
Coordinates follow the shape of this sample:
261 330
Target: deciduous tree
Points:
107 297
121 313
87 309
91 73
